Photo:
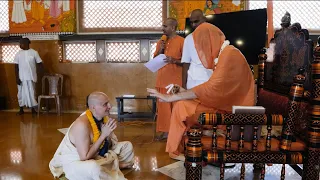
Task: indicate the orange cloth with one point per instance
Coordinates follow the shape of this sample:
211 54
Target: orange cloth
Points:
163 113
231 84
270 20
208 40
169 74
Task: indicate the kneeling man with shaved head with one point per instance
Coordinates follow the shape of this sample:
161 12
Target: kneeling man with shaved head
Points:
90 149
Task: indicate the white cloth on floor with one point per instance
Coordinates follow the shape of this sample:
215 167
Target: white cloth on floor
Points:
66 160
26 94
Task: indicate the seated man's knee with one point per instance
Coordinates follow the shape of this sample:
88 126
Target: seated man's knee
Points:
126 153
127 146
89 168
93 166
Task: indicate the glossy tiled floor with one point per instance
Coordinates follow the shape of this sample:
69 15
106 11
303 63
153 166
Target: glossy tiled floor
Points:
28 143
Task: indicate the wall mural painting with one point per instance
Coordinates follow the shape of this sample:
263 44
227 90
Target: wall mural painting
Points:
181 9
38 16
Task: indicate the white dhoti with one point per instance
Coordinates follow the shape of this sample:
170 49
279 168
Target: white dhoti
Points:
66 160
26 94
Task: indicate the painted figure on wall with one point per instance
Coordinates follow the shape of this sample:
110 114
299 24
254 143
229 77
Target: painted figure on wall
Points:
66 5
37 10
55 8
180 10
18 13
212 7
38 16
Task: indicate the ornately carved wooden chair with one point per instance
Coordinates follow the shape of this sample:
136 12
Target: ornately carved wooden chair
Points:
298 113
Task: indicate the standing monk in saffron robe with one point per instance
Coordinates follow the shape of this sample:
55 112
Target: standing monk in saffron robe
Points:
171 45
231 84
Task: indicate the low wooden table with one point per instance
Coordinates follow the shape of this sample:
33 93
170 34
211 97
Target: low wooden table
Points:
134 115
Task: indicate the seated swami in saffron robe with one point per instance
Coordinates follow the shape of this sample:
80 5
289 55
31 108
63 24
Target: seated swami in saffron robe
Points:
231 84
90 150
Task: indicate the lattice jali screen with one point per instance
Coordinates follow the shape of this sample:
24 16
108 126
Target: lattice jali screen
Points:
8 52
121 15
60 51
126 51
80 51
152 48
4 16
304 12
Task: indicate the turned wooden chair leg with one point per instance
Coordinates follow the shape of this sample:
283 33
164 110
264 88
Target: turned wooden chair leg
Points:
58 105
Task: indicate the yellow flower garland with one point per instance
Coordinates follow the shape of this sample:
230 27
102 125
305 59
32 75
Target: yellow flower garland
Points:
95 130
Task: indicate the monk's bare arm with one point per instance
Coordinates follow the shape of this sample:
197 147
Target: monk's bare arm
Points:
187 94
185 68
82 141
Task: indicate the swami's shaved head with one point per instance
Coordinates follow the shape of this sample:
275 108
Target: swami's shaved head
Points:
197 13
96 98
169 27
196 18
98 103
173 22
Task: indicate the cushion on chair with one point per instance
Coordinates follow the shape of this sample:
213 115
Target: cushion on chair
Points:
277 104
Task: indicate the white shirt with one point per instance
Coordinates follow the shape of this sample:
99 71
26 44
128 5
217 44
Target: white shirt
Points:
197 73
26 60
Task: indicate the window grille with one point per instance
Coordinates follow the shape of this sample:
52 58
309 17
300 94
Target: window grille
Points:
152 48
4 16
95 16
304 12
123 51
8 52
80 52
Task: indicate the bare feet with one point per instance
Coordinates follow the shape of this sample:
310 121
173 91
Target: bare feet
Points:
20 112
125 165
162 136
177 156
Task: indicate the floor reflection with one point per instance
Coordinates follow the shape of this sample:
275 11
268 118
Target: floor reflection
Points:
10 177
15 156
154 164
136 165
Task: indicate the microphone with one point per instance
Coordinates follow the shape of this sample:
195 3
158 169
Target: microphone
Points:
164 38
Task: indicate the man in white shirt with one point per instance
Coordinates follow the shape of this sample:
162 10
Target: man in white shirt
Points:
26 75
194 73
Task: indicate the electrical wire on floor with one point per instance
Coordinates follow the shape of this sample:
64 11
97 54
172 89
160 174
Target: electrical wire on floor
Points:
142 124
